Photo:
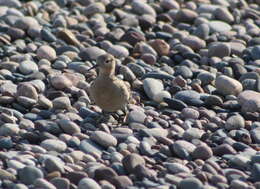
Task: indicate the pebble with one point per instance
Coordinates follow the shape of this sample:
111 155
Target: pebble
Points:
131 161
46 52
190 182
53 145
60 82
219 26
28 67
228 86
61 103
235 122
104 139
203 152
29 174
88 183
219 50
249 101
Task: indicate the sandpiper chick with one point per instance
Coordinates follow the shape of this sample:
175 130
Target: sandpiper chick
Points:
107 91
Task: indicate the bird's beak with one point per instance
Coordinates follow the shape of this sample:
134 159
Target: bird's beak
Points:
93 67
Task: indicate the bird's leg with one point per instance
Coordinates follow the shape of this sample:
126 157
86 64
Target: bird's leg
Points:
121 115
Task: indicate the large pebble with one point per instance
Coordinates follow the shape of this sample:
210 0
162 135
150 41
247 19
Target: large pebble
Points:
91 53
219 50
228 86
136 116
29 174
235 122
224 15
219 26
194 42
60 82
88 183
27 90
152 87
188 183
131 161
28 67
94 8
53 145
46 52
68 126
249 101
140 7
103 138
61 103
9 129
118 51
186 15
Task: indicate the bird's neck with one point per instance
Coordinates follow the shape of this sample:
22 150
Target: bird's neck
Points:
106 73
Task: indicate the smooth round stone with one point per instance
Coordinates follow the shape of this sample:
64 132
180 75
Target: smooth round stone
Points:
175 168
249 101
175 104
159 97
188 183
152 87
51 165
53 145
255 52
169 4
183 148
42 183
184 71
194 42
219 50
121 181
46 52
25 101
60 82
69 127
89 147
26 22
186 15
223 14
228 86
206 78
27 90
131 161
127 73
11 3
203 152
88 183
29 174
192 133
5 175
27 67
140 7
237 48
138 71
187 95
91 53
60 183
202 31
118 51
224 149
20 186
9 129
235 122
103 138
136 116
104 173
160 46
219 26
6 143
189 113
256 172
94 8
61 103
237 184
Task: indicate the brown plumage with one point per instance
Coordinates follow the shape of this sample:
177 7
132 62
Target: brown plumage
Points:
107 91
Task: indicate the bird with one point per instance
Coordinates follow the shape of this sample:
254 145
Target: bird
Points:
108 91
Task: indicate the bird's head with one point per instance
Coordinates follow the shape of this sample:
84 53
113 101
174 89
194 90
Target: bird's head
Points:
106 64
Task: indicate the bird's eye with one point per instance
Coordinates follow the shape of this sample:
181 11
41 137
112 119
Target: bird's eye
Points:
107 61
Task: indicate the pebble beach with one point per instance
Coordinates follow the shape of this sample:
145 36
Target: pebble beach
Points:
193 120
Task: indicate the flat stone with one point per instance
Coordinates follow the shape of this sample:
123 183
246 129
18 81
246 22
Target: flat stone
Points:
69 126
219 26
235 122
249 101
28 67
219 50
